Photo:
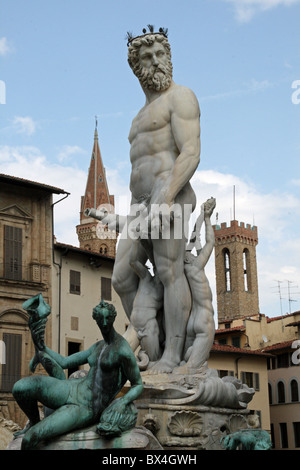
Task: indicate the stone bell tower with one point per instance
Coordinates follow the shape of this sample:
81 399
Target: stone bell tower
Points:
92 234
236 270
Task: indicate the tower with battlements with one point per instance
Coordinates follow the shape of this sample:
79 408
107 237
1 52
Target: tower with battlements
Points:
236 270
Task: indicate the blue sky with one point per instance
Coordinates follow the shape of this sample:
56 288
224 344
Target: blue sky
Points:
63 62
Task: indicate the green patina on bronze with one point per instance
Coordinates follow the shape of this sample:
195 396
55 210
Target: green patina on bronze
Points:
248 439
83 401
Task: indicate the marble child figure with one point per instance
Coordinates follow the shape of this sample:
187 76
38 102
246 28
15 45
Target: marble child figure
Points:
201 327
81 402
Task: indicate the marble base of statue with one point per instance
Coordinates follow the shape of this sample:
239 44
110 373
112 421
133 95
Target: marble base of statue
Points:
138 438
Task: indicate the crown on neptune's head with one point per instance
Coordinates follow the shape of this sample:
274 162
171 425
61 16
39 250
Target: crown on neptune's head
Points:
130 37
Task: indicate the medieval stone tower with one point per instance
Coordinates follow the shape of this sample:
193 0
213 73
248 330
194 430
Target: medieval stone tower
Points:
92 234
236 270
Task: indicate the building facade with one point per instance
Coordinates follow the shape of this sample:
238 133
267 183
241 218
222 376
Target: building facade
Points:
278 384
284 380
26 216
250 367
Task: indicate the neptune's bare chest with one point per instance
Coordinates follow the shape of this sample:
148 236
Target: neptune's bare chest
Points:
153 118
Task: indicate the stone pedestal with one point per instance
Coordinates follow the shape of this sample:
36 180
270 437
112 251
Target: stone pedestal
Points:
194 411
7 429
139 438
191 427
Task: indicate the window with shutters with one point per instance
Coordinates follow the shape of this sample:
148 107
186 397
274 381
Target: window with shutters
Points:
251 379
12 252
225 373
236 341
2 352
11 370
74 282
105 288
73 348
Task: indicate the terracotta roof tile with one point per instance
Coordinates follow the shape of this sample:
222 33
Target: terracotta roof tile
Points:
226 348
81 250
22 181
278 346
230 330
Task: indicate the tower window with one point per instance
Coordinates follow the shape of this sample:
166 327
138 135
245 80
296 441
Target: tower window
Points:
246 269
226 255
103 250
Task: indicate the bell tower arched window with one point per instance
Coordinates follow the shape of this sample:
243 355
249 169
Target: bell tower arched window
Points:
226 255
246 269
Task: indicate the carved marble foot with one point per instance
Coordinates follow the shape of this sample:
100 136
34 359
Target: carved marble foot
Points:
187 369
184 370
162 367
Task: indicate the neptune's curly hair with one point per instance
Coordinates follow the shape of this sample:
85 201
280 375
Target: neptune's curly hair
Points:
104 306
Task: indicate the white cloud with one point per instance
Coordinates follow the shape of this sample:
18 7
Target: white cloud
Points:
68 151
245 10
24 125
5 47
29 163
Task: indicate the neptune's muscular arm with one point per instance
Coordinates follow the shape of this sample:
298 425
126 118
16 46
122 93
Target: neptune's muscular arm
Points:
185 128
